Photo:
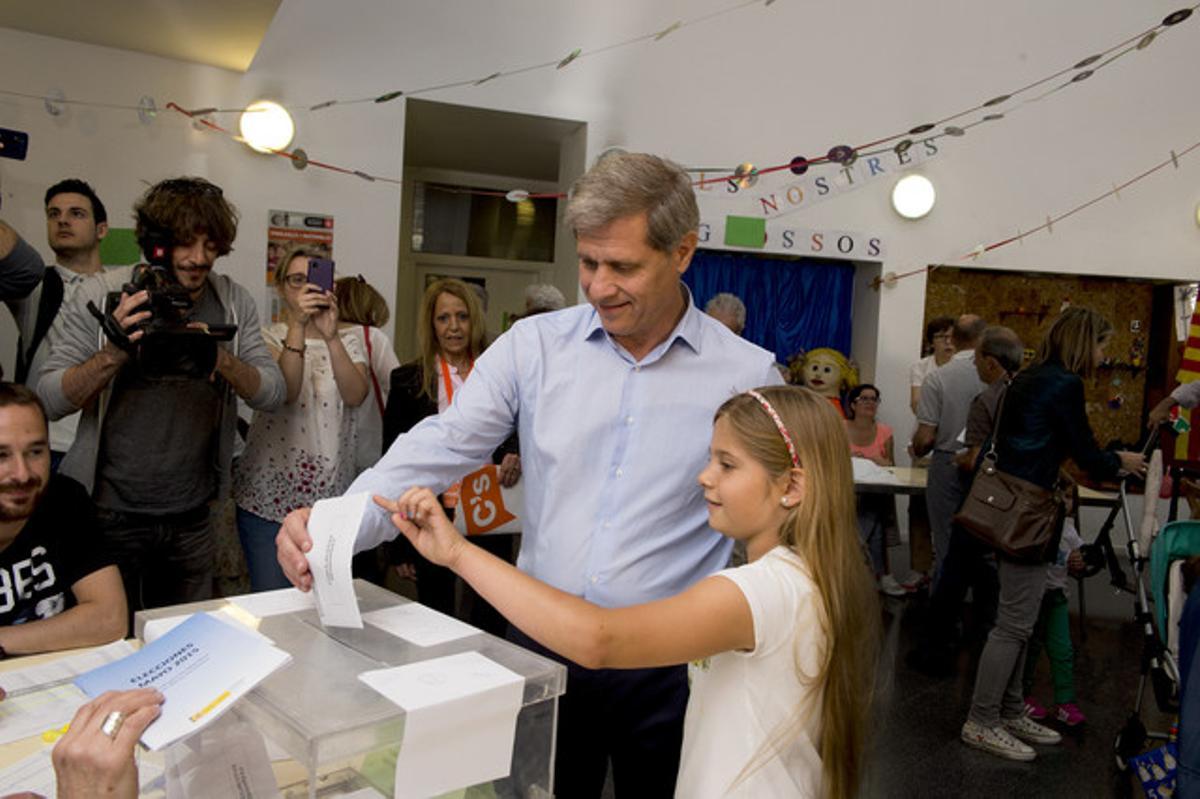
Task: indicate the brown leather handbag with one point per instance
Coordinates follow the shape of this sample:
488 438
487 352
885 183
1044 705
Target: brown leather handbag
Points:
1019 518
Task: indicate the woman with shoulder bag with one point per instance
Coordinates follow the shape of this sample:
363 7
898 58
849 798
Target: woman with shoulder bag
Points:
1043 421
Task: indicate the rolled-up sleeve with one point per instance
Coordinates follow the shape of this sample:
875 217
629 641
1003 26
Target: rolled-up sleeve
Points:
1187 394
253 352
442 448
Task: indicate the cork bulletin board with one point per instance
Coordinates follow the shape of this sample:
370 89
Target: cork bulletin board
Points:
1028 304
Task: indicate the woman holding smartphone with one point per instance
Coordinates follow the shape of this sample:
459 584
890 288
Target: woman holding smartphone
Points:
304 451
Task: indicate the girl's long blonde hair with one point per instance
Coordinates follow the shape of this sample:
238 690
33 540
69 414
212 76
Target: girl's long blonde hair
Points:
823 531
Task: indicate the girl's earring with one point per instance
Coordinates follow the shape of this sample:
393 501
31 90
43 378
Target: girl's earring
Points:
784 502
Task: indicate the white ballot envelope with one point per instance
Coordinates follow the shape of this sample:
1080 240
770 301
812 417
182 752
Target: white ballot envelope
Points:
333 526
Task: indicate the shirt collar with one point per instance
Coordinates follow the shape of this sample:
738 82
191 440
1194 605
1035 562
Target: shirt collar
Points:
70 276
686 331
965 354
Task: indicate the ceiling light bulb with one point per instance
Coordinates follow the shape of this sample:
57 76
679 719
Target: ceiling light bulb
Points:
267 126
913 196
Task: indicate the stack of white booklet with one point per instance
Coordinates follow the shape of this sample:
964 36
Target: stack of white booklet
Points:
201 667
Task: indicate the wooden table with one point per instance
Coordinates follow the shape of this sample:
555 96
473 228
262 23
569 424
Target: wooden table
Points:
908 480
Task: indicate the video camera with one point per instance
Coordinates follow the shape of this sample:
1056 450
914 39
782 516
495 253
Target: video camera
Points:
173 344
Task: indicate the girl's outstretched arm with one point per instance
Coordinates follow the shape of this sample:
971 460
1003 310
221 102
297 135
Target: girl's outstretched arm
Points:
711 617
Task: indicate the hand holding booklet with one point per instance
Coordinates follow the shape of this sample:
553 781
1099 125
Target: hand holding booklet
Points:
201 667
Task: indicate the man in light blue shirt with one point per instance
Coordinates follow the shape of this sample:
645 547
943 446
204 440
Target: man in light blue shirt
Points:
613 402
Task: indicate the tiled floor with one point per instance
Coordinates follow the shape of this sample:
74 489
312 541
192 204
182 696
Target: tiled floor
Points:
916 749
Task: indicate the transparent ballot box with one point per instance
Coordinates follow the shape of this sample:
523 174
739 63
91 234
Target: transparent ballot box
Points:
342 734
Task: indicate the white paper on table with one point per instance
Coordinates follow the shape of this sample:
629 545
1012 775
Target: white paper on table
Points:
275 603
63 670
461 720
38 711
333 526
31 773
229 758
868 471
419 625
157 628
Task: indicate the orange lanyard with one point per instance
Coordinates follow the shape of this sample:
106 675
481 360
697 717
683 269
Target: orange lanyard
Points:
446 382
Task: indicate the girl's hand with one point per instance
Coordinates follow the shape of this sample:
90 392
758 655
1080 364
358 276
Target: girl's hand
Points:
419 515
1075 564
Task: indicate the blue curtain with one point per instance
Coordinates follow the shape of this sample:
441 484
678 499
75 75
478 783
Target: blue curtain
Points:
791 304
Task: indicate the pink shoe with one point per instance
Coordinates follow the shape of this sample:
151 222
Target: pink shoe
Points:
1035 710
1068 713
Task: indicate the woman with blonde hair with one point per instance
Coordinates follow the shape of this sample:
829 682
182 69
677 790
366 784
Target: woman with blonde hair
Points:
1042 422
781 650
304 451
450 334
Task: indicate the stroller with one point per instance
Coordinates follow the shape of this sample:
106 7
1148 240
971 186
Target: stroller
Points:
1156 553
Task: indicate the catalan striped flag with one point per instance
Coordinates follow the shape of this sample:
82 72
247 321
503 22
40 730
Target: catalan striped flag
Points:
1187 443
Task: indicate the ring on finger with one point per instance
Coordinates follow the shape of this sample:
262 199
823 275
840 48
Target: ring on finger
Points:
112 723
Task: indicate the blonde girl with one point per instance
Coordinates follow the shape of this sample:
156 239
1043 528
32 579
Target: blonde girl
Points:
782 650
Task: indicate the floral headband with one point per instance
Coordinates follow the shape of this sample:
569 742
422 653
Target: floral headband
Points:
783 431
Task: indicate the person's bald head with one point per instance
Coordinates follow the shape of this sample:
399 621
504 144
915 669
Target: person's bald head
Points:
999 354
968 329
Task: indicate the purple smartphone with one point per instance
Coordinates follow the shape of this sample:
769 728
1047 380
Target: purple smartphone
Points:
320 273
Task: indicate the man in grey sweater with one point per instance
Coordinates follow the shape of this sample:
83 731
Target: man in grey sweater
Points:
155 449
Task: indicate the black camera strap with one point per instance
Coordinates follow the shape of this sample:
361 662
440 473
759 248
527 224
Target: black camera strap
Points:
48 304
111 329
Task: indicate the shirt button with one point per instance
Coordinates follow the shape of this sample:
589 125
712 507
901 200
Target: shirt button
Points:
628 420
619 472
607 525
594 578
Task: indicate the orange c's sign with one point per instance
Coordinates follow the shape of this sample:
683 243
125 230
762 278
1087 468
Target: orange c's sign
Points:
481 502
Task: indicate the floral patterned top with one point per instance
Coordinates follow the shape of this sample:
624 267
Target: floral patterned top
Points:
303 451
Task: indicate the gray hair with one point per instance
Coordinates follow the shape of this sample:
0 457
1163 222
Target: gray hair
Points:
1004 345
624 184
541 297
730 305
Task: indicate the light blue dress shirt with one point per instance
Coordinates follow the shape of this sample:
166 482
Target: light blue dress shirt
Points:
610 449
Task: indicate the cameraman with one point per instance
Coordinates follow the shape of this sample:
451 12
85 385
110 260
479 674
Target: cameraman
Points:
154 446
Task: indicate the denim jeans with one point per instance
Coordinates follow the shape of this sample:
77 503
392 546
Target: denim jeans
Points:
164 560
258 542
998 689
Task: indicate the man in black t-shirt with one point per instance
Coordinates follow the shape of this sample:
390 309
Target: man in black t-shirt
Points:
58 588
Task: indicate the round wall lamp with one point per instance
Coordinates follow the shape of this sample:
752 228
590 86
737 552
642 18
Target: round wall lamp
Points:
266 126
913 196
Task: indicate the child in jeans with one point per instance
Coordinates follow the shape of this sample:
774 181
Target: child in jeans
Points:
1053 630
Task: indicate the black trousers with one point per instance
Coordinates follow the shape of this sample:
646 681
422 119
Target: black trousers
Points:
633 717
969 564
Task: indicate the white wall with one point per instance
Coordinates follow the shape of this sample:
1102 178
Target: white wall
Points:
120 157
760 84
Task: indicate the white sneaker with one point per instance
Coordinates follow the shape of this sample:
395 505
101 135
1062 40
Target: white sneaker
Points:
996 740
1029 730
915 581
889 586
